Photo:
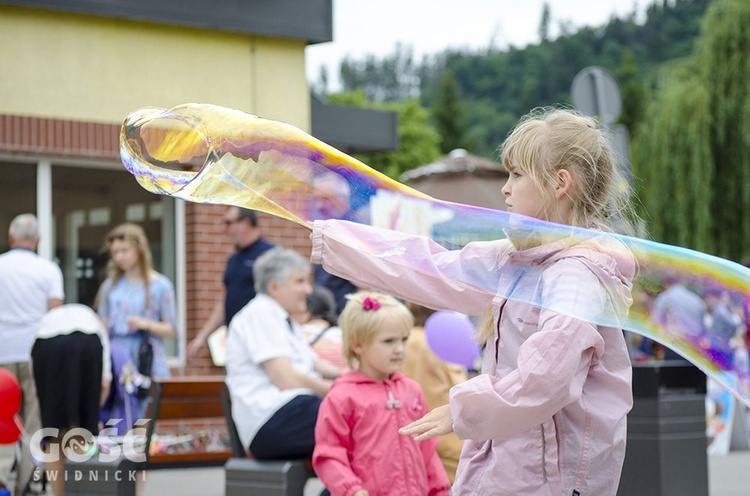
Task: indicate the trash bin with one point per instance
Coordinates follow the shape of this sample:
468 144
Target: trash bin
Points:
666 444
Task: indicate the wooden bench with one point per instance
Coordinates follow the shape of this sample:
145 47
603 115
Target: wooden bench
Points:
174 398
186 398
205 397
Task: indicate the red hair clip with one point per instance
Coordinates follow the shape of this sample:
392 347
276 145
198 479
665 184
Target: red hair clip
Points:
370 304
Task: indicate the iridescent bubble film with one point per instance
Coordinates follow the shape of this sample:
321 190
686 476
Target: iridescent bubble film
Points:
211 154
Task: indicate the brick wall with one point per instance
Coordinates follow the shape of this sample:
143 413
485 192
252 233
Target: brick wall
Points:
39 136
206 253
206 245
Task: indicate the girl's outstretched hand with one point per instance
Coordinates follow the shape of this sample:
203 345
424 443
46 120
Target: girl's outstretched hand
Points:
436 423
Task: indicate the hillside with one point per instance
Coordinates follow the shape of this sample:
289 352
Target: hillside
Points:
495 87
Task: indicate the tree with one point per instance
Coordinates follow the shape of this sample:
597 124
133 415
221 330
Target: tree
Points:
394 77
498 86
632 91
544 24
449 115
321 86
693 147
418 140
673 162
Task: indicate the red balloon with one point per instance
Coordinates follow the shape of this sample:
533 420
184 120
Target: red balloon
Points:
10 395
10 403
9 431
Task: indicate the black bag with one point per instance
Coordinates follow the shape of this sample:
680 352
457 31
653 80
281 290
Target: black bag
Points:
145 362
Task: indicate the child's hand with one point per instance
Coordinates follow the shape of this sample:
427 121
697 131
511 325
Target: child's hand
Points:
436 423
136 322
362 492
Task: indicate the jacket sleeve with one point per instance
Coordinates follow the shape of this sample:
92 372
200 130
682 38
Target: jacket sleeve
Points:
439 485
332 447
411 267
552 364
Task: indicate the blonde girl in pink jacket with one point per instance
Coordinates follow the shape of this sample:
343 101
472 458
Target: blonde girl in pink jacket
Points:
358 451
547 415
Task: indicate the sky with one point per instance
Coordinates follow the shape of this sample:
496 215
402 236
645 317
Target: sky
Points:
374 27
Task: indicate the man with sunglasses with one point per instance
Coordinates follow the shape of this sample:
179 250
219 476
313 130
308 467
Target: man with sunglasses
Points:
241 227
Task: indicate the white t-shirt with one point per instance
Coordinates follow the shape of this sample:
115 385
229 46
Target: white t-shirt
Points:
260 332
67 319
27 282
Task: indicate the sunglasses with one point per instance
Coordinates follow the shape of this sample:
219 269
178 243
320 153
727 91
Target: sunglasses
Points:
228 222
115 237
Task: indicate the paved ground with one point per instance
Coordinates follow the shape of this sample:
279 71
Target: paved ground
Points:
728 476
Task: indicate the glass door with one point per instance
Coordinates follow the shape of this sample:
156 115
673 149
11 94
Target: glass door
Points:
86 204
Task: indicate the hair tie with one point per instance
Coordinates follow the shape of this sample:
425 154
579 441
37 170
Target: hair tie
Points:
370 304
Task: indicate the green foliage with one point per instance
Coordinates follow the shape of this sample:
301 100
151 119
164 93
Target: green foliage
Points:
676 173
449 116
725 69
392 78
632 91
693 147
352 98
495 84
419 140
688 113
544 24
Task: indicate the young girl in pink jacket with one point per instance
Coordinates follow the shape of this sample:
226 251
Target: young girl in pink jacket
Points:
547 415
358 450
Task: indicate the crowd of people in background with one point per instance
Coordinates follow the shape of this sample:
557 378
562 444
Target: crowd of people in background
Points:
79 368
323 366
706 317
85 366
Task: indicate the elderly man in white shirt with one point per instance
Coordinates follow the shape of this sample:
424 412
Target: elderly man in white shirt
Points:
275 379
30 285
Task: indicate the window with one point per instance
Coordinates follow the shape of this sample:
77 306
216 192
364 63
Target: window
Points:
17 196
85 204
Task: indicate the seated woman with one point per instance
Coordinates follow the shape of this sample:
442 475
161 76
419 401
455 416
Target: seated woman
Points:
319 326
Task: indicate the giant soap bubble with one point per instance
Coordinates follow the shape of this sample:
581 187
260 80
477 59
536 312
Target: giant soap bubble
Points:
211 154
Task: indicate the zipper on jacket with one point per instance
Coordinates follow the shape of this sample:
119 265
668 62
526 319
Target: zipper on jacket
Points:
544 457
497 330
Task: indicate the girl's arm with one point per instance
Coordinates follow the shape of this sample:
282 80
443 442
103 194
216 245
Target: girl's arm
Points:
411 267
552 365
155 327
166 325
332 448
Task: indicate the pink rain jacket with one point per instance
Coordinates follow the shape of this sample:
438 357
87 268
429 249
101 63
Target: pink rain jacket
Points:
547 416
357 444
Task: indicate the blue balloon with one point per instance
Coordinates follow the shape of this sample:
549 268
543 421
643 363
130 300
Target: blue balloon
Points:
451 337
